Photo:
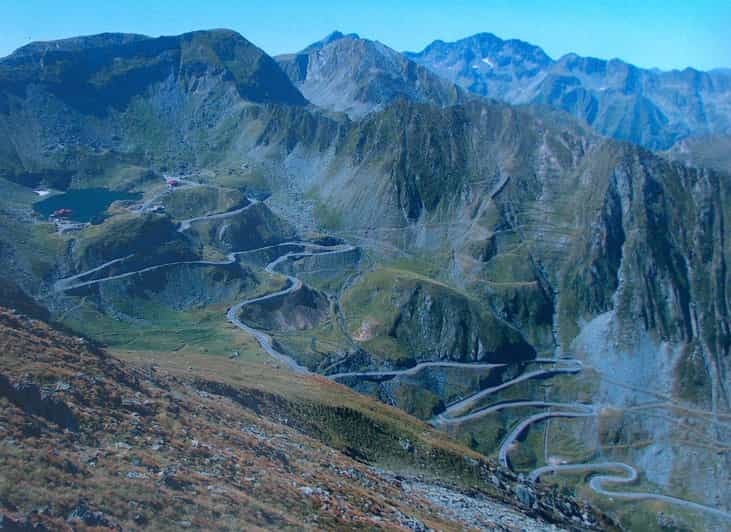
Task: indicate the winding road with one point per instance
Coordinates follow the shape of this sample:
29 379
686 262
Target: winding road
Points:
390 374
567 410
185 224
598 482
482 412
293 283
527 422
455 413
456 409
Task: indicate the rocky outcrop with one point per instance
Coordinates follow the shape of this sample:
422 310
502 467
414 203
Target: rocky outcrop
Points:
141 240
405 320
255 227
83 514
304 309
36 402
439 326
178 287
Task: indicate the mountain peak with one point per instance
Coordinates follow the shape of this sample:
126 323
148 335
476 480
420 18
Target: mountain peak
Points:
346 73
485 36
330 38
479 52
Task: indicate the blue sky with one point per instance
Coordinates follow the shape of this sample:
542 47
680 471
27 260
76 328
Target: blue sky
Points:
650 33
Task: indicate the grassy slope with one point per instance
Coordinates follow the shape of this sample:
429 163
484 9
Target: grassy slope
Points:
210 442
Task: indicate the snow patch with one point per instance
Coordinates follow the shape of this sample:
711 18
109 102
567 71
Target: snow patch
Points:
487 61
42 192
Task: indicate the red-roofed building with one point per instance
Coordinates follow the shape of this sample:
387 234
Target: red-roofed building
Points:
63 213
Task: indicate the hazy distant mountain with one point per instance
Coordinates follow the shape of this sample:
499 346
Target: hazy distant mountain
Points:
648 107
354 75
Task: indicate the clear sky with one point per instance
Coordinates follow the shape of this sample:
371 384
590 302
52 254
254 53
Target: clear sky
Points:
650 33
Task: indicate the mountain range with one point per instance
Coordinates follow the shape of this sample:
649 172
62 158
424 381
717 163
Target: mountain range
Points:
648 107
480 248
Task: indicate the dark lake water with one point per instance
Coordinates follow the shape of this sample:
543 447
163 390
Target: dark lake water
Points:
87 204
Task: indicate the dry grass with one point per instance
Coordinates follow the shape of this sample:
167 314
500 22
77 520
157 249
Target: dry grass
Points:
204 442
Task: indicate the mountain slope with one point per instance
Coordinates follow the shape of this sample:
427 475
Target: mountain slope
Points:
648 107
95 442
357 76
588 246
85 64
135 95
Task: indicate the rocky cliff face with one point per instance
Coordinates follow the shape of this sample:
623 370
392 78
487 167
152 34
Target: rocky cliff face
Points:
648 107
404 320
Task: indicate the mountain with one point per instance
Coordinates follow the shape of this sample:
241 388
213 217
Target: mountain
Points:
111 89
87 63
648 107
357 76
538 292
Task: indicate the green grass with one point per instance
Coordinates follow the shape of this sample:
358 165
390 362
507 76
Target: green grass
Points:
422 266
327 282
159 328
198 201
416 400
34 243
249 178
205 331
311 346
328 217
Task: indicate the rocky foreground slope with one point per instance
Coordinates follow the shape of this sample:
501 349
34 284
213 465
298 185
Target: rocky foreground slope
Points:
91 442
